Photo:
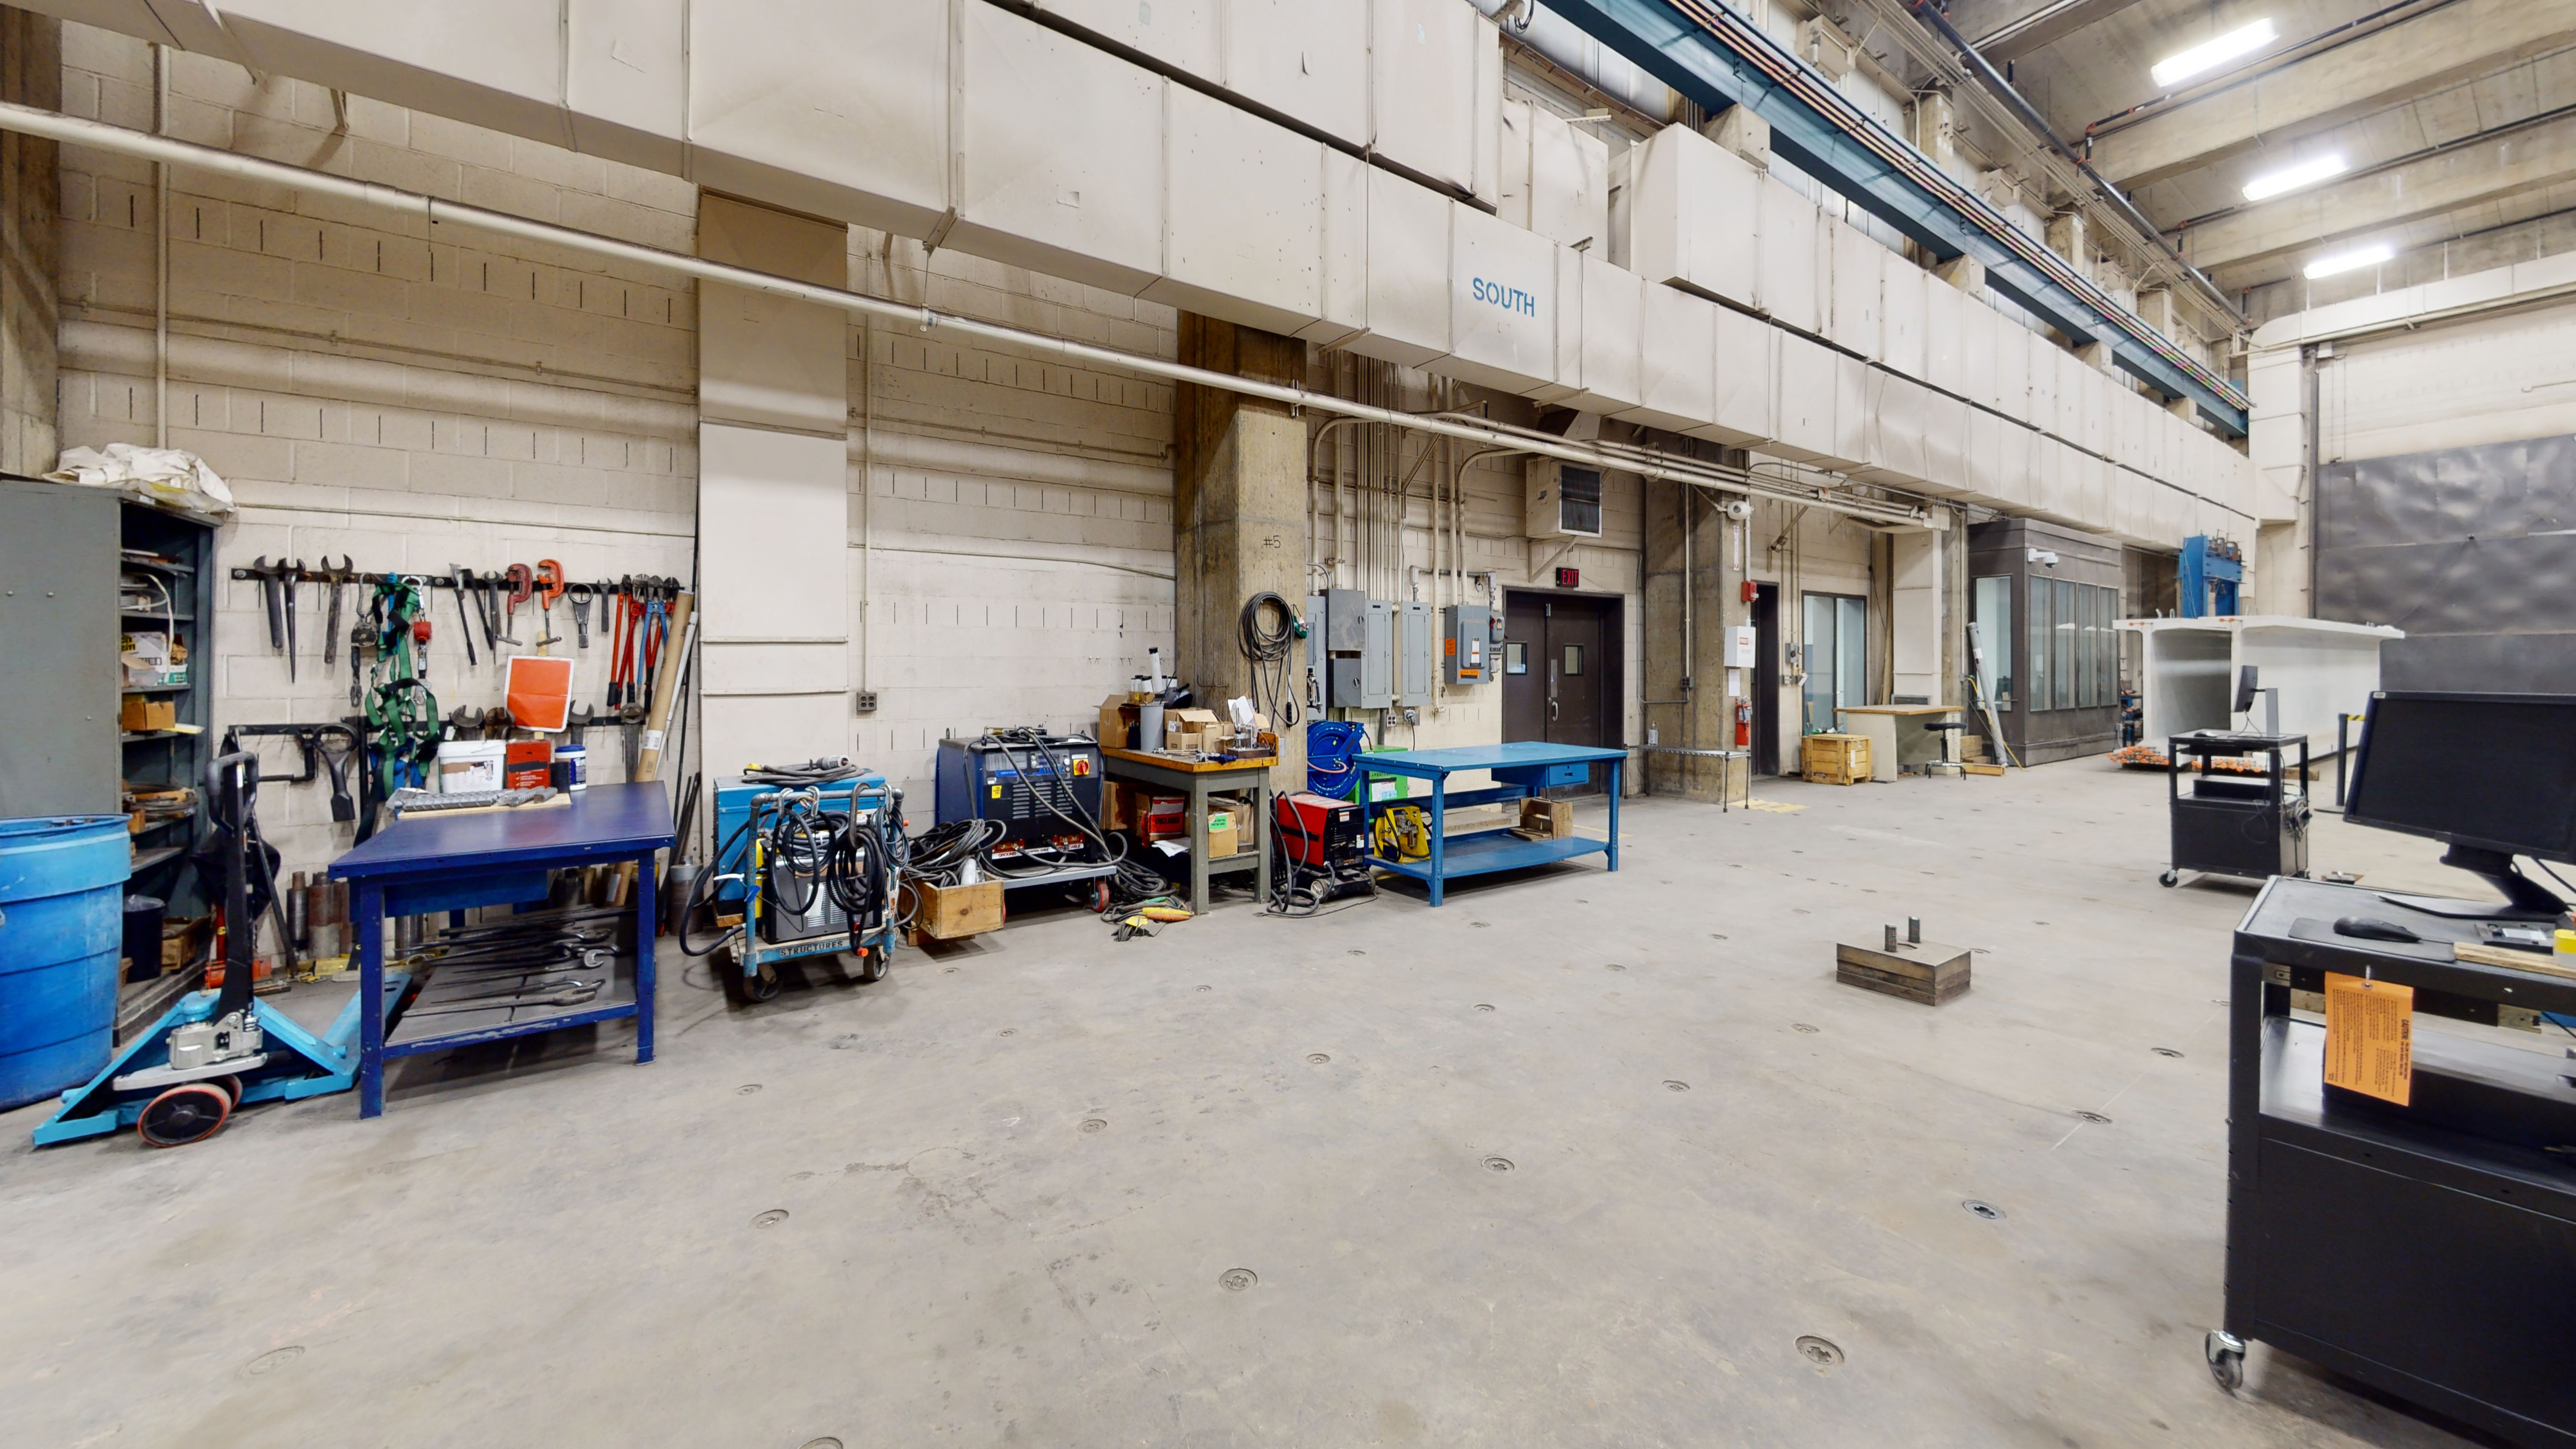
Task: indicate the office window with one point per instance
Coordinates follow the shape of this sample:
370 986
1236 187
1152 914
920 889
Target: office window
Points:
1990 609
2061 640
2037 653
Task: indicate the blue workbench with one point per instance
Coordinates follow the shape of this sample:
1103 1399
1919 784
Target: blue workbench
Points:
1521 769
429 862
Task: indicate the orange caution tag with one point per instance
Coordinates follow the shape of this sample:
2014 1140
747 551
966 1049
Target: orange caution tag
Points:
2370 1046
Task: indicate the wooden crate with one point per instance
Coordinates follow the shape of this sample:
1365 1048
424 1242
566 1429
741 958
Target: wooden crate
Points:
1834 759
1923 971
950 913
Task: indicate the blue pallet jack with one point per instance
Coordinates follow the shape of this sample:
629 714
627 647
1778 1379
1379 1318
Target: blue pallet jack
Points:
219 1050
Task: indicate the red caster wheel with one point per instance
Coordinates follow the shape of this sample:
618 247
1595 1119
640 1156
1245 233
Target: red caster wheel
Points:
189 1112
1100 896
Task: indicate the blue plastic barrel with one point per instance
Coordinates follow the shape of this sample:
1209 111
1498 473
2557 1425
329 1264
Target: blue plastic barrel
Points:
62 923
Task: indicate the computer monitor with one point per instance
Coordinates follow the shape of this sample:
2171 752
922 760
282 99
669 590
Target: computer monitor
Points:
2491 775
2245 678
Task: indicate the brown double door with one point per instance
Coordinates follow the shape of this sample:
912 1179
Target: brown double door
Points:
1561 672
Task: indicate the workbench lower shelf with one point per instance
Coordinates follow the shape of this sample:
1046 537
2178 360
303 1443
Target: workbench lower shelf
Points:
412 1034
1484 851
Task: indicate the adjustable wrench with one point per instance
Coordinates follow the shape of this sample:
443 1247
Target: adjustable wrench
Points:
290 580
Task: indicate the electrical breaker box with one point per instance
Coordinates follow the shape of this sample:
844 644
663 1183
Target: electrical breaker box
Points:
1363 673
1413 634
1316 612
1563 500
1471 641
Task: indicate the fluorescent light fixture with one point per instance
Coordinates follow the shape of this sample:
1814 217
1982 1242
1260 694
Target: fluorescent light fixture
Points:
2174 69
2354 260
2291 178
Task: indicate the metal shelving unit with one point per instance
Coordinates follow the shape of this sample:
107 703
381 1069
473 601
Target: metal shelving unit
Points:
184 550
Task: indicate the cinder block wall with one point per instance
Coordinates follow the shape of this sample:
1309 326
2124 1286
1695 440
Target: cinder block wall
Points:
416 402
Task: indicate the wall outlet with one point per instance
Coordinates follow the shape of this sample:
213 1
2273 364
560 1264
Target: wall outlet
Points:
867 701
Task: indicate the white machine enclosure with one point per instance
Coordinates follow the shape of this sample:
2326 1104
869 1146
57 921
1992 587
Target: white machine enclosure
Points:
2321 667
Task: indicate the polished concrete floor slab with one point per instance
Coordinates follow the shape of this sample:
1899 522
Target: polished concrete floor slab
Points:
1575 1159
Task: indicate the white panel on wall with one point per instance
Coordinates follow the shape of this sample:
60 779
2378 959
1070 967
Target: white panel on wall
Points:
1902 315
1808 385
1614 303
1426 90
625 80
1692 209
1981 334
2071 371
1180 33
1748 380
1944 326
2017 479
1343 283
498 59
1568 372
1983 463
1569 183
773 560
1245 237
1792 261
2012 367
1945 442
1502 302
1306 59
2042 362
1060 161
1677 352
1896 408
850 122
1851 413
1408 273
2095 402
1859 281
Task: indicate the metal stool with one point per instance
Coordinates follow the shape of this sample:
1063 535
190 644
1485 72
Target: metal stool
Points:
1949 729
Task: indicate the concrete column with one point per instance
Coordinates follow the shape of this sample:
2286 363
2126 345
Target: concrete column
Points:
1238 518
1936 128
773 495
1693 597
2066 238
1965 273
1917 596
2096 355
31 74
1742 132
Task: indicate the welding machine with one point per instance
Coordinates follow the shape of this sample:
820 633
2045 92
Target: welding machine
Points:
1318 830
817 854
1022 779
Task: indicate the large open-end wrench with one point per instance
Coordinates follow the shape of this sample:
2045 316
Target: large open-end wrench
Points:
268 577
339 579
569 996
460 576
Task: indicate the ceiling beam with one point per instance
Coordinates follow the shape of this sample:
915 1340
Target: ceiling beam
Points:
2412 58
2352 209
2005 30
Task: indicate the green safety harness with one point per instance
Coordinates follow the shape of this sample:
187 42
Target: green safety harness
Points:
402 714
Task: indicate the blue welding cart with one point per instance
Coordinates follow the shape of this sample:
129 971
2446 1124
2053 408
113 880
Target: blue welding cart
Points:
769 935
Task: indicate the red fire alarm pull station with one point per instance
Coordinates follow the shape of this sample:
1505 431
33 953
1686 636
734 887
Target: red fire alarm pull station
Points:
1569 578
1752 591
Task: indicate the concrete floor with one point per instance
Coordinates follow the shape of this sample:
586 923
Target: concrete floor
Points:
1017 1180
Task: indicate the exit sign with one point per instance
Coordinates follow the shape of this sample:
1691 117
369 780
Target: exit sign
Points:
1569 578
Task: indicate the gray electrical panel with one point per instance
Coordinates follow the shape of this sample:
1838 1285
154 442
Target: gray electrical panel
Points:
1471 641
1315 636
1360 642
1413 634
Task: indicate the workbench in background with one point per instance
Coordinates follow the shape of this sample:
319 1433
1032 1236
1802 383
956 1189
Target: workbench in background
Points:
1196 780
1522 770
431 862
1897 737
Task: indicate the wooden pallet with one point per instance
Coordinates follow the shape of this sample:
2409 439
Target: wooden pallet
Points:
1924 971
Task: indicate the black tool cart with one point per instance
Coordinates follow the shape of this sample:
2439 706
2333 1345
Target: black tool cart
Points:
2236 822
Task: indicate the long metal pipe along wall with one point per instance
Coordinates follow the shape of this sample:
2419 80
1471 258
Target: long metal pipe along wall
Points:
72 130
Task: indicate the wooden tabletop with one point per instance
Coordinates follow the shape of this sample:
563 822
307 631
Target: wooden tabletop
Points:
1188 767
1901 708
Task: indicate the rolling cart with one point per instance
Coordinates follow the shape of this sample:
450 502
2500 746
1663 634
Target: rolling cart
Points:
2250 826
793 861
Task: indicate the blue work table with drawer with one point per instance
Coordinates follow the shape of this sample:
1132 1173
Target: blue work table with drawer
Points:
1521 769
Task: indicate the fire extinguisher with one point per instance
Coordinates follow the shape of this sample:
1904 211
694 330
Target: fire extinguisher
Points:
1743 724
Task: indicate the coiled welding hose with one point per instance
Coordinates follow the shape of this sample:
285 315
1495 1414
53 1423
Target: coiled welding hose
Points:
826 771
1330 746
1133 884
1265 647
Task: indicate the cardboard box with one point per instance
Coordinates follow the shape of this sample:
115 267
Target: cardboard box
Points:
1118 725
1221 834
1161 817
1194 729
1547 819
142 712
950 913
